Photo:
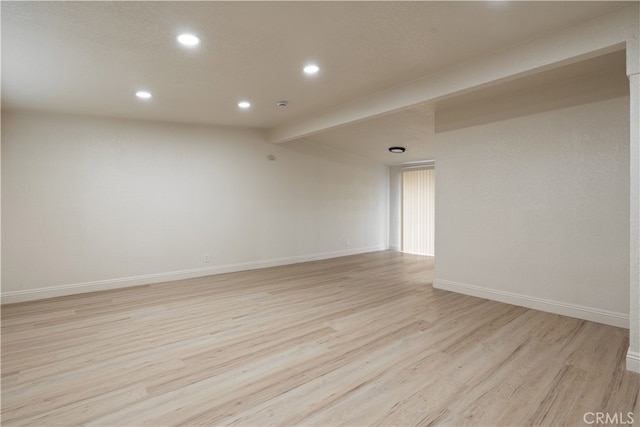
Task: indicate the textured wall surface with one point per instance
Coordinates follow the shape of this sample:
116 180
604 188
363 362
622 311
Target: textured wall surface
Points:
538 206
87 199
395 208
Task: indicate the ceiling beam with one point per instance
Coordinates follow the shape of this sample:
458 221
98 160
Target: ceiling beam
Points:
591 38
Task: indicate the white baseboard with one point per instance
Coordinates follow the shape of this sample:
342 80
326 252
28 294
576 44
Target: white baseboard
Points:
394 248
416 253
581 312
102 285
633 361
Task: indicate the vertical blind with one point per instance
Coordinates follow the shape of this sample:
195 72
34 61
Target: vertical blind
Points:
418 211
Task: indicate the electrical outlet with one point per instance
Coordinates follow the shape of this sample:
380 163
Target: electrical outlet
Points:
205 258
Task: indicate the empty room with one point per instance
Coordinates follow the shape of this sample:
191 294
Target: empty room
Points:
390 213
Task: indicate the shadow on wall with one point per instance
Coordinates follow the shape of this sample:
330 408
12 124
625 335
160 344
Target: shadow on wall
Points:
596 79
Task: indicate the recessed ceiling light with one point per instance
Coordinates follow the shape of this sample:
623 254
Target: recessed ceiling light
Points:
311 69
397 150
188 40
143 94
244 104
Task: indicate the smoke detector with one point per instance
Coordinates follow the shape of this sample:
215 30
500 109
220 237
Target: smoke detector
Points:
282 103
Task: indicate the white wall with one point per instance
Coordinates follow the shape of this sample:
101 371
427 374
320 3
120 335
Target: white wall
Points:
92 203
535 211
395 208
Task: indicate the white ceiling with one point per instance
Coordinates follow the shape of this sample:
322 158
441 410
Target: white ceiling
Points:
598 78
410 128
90 58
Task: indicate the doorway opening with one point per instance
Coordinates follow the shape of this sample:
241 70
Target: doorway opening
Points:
418 210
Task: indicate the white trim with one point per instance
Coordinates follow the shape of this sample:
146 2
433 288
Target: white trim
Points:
101 285
633 361
427 164
581 312
416 253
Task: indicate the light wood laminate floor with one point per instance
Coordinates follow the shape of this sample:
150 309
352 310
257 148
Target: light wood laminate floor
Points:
359 340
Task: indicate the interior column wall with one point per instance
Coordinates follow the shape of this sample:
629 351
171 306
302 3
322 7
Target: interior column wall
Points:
633 71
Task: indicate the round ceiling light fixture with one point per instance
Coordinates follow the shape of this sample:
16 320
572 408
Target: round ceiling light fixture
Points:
397 150
311 69
244 104
143 94
188 40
